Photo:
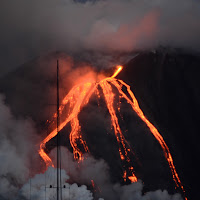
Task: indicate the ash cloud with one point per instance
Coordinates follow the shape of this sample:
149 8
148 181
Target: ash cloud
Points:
29 29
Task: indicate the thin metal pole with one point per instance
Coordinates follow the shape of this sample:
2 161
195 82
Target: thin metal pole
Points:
30 188
58 140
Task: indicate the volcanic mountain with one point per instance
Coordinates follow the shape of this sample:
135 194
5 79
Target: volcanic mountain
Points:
166 85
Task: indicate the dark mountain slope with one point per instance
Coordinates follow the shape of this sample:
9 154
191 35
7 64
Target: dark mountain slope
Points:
166 84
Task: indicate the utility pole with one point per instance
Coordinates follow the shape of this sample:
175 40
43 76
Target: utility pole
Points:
59 187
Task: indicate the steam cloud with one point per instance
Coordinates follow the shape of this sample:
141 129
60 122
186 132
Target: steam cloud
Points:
74 192
29 29
82 173
18 154
17 139
41 191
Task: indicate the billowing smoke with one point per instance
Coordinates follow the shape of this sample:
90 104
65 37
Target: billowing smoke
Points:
19 178
43 185
40 190
134 192
18 141
29 29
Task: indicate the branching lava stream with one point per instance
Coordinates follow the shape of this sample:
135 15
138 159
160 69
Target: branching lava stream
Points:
78 97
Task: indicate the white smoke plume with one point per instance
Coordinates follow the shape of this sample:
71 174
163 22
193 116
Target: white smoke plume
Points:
17 139
96 170
30 28
134 192
19 157
40 187
85 171
19 177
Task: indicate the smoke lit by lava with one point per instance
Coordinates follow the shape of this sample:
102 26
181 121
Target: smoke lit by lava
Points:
79 96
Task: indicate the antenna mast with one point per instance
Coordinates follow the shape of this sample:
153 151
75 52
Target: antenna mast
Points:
59 188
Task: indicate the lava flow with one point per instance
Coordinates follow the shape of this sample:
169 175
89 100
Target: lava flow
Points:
79 96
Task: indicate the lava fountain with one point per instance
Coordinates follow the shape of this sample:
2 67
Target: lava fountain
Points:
79 96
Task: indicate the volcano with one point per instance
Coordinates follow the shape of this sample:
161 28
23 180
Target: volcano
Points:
166 87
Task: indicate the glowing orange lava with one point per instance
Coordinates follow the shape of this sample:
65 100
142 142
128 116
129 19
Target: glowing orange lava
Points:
95 186
79 96
119 69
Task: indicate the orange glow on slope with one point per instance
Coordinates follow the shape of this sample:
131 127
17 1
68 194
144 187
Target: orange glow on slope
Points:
109 98
95 187
79 96
135 106
132 179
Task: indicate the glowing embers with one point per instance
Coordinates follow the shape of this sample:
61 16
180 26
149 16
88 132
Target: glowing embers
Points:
79 96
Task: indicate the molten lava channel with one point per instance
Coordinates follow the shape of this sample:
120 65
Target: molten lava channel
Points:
78 97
